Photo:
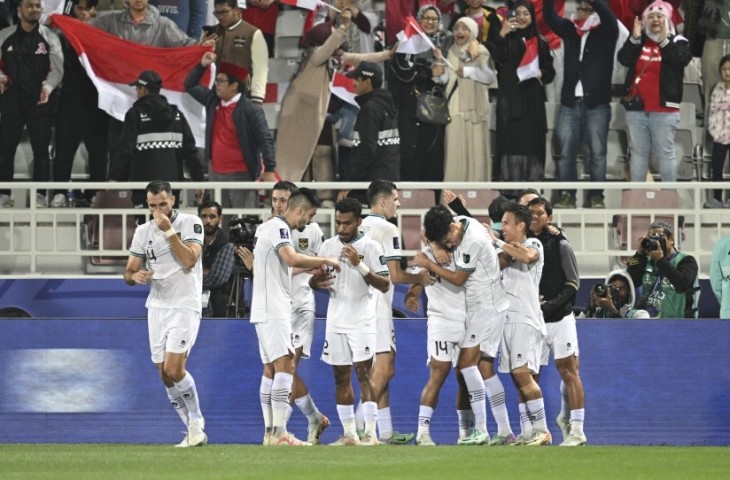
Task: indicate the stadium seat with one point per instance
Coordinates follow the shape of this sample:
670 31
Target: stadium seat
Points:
685 141
289 25
638 224
478 199
111 232
410 225
617 153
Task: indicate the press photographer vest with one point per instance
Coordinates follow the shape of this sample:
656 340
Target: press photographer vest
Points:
669 302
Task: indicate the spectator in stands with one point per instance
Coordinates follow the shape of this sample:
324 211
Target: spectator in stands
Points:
422 144
714 23
31 69
142 23
79 117
668 277
468 153
521 117
589 41
720 275
376 154
240 43
263 16
496 211
237 137
359 39
552 90
524 197
655 57
614 298
219 260
156 141
488 22
719 128
188 15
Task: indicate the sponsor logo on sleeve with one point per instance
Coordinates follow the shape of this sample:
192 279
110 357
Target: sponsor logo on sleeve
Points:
396 243
197 228
284 233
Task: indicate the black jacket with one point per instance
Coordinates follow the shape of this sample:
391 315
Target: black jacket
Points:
675 56
376 152
251 126
596 68
156 140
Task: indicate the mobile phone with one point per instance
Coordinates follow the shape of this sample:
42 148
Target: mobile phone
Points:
209 29
511 14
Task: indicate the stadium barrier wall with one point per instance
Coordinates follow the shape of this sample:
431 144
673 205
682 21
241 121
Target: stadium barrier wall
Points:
91 381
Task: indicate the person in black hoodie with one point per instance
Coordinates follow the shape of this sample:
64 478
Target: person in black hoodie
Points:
156 140
376 142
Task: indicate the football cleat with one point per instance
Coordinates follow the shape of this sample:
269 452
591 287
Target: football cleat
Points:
476 438
369 441
508 439
425 440
287 440
539 439
346 441
195 437
574 440
398 439
316 429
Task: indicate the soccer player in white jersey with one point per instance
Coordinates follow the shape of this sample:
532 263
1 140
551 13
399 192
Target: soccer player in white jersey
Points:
271 307
477 270
350 336
306 241
166 253
446 314
383 199
522 260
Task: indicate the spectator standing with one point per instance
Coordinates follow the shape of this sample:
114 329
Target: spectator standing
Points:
720 275
240 43
521 117
668 277
468 153
188 15
263 16
589 40
31 69
156 140
142 23
219 261
79 117
422 144
486 18
715 24
655 57
719 128
553 90
237 135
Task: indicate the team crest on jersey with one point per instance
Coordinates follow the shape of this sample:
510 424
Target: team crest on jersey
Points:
283 233
42 50
466 258
197 228
396 243
303 243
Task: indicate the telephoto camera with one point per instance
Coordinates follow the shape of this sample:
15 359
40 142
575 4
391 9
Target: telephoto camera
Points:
242 231
603 291
653 242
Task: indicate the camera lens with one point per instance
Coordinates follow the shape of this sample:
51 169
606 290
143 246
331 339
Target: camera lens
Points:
600 290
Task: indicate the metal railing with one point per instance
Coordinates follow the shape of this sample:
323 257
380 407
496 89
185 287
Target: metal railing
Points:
37 241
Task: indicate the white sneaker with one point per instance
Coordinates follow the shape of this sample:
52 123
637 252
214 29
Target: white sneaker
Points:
574 440
6 201
196 437
425 440
316 429
41 201
58 201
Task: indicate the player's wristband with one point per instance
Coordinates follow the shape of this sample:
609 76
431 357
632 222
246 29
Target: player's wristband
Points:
363 269
170 232
499 243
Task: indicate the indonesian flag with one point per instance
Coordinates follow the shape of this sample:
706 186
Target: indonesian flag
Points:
99 51
344 88
412 38
308 4
530 64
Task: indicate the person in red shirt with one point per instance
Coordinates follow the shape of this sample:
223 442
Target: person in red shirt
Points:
263 16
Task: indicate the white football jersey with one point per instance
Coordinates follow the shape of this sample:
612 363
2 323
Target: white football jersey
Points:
306 242
446 301
353 303
387 236
522 285
171 286
477 255
271 296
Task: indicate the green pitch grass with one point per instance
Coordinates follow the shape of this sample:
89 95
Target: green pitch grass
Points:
95 462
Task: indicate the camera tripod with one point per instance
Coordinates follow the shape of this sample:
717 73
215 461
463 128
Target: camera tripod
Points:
236 306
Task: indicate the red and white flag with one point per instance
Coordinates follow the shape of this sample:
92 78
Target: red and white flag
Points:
98 52
412 39
530 64
344 88
275 92
308 4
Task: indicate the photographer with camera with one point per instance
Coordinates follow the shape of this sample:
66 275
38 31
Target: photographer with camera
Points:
668 277
218 261
614 298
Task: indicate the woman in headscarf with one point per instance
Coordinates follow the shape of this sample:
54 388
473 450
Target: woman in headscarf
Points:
468 156
421 144
521 118
656 59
